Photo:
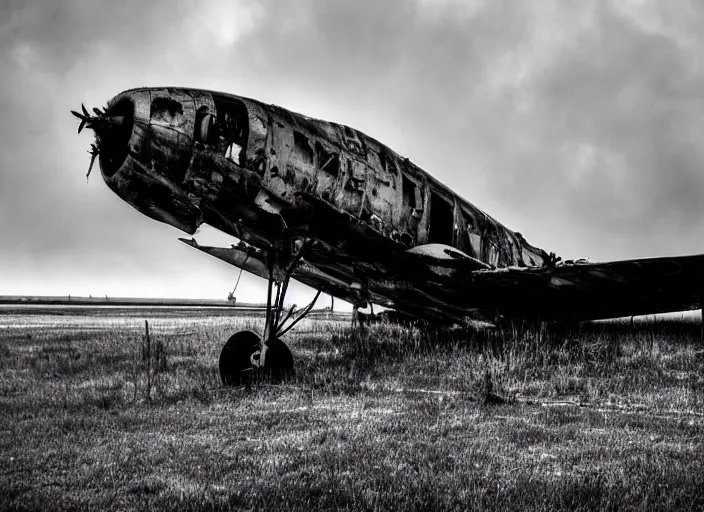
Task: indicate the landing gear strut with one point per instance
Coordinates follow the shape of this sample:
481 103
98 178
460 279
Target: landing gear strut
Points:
246 357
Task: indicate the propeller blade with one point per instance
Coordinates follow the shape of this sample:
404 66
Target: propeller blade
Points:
85 112
97 111
90 167
80 126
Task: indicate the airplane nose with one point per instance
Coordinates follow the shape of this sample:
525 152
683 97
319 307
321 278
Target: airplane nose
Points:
144 144
153 126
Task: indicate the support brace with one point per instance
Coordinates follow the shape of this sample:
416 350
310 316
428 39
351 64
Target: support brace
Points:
274 325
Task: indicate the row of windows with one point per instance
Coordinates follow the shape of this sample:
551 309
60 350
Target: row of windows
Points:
228 130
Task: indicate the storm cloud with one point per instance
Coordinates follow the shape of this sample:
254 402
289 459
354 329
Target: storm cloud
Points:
576 123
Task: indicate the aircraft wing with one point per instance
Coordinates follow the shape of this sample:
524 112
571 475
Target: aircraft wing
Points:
252 260
582 291
437 282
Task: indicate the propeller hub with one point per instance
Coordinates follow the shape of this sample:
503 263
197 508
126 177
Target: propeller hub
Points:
112 127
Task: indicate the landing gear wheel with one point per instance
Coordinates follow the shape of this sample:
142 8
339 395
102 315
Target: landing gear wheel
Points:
244 359
239 359
236 367
278 363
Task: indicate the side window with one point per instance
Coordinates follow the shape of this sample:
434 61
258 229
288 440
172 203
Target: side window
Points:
409 193
471 240
352 142
232 128
489 245
388 165
328 161
441 220
206 128
302 148
412 205
328 170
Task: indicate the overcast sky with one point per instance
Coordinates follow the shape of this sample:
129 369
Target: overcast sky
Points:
577 123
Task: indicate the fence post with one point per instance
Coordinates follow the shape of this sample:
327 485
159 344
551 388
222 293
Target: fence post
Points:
149 362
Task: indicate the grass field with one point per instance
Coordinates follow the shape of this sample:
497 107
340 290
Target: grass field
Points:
606 417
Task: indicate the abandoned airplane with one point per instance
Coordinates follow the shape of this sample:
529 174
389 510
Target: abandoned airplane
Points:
335 209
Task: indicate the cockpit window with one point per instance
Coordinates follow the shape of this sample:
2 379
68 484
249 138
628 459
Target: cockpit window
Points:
226 129
167 111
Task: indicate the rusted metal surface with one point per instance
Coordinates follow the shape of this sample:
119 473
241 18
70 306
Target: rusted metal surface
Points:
385 231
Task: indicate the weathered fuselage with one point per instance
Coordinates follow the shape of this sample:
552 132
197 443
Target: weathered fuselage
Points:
267 175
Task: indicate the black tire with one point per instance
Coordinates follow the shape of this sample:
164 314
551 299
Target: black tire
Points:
236 367
279 361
